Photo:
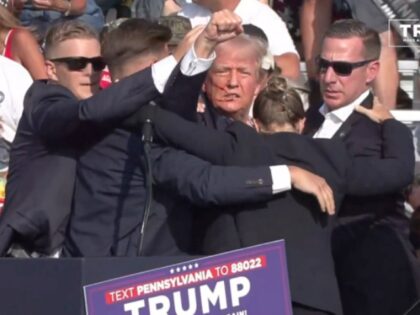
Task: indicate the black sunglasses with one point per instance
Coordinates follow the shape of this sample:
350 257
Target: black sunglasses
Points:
342 68
79 63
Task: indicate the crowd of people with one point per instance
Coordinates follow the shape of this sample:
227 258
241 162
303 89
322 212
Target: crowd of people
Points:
239 157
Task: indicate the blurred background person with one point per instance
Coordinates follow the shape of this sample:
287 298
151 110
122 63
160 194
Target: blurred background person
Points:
14 82
256 13
42 14
153 9
19 44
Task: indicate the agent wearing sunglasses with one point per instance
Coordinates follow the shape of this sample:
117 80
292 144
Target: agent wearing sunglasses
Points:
372 225
60 119
79 74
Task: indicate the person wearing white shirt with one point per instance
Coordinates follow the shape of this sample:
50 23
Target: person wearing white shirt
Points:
256 13
14 82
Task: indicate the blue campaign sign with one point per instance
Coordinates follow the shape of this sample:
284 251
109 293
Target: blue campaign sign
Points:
252 280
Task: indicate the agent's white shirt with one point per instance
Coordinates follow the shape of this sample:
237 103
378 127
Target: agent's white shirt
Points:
334 119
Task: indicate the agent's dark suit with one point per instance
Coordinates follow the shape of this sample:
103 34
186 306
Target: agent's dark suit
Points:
53 130
110 195
371 252
293 216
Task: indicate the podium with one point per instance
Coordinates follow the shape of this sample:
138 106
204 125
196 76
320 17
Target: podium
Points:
44 286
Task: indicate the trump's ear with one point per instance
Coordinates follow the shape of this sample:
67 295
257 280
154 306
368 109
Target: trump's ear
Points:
372 71
51 70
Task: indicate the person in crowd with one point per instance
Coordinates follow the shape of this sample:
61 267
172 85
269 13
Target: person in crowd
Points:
154 9
180 27
42 14
110 175
371 229
315 18
19 44
59 117
278 112
14 82
256 13
4 3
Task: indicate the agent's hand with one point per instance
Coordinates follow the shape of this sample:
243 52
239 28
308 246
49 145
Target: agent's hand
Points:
379 113
310 183
224 25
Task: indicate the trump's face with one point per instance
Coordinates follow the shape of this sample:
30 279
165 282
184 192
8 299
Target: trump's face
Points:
234 80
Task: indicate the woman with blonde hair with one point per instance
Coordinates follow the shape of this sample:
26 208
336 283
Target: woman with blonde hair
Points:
278 107
19 44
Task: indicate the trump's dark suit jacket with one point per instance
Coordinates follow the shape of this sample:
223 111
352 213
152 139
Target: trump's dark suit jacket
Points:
53 130
294 216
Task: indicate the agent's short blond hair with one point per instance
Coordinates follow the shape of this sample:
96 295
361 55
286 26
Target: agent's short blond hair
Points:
67 30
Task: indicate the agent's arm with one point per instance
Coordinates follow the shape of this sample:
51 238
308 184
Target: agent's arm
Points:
59 114
395 170
206 184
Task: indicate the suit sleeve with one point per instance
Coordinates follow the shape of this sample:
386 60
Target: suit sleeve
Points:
57 114
391 173
204 184
181 94
212 145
